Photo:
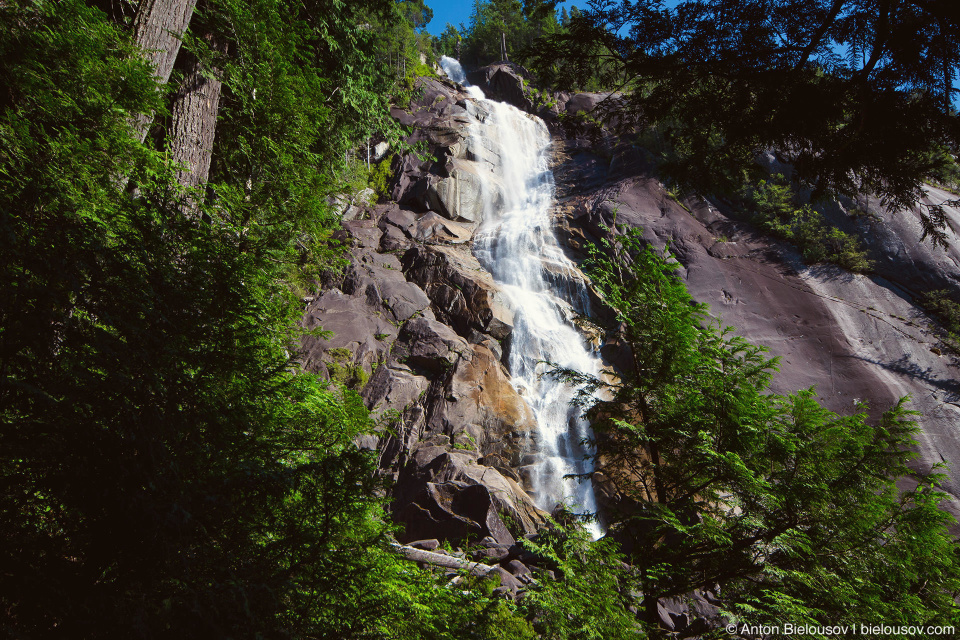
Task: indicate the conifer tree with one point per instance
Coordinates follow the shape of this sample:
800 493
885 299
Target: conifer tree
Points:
856 94
786 510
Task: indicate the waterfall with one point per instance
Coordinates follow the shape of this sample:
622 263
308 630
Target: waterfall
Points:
543 288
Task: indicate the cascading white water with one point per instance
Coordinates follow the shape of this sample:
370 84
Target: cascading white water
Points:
516 244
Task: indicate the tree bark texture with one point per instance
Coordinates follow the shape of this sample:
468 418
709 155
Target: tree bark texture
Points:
194 124
157 29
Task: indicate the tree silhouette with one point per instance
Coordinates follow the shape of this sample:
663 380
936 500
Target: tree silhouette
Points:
856 94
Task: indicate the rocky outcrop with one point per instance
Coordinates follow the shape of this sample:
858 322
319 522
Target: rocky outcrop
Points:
463 294
460 433
459 196
447 181
504 82
417 328
854 337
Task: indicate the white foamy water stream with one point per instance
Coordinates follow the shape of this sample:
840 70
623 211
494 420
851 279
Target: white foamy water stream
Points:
543 288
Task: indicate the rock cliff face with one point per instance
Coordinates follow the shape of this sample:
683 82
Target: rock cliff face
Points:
854 337
420 329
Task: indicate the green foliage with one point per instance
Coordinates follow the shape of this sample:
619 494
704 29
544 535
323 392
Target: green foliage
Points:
771 205
779 501
469 444
404 49
946 169
818 81
351 376
305 88
944 308
167 473
450 42
353 180
588 598
166 470
521 24
381 175
344 372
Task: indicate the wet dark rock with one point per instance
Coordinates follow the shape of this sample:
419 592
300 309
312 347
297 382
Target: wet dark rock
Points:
522 554
379 279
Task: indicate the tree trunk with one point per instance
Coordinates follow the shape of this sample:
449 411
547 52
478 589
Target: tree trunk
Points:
157 29
441 560
194 123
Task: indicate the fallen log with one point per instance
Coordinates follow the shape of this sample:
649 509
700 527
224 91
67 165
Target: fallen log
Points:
441 560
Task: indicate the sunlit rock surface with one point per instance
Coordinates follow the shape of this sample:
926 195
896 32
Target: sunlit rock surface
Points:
856 338
433 332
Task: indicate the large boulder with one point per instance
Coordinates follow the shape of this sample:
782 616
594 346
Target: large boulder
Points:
460 196
451 496
504 82
462 293
431 228
585 102
429 345
402 228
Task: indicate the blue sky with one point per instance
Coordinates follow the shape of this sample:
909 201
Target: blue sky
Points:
457 11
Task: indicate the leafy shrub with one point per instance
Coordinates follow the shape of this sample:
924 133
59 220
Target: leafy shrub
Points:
380 177
944 308
588 595
772 207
